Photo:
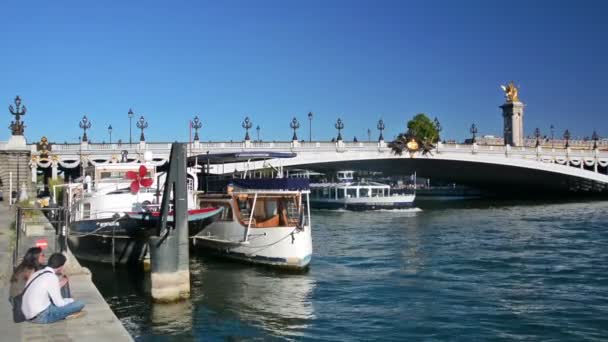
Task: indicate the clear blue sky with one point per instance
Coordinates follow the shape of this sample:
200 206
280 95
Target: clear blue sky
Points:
358 60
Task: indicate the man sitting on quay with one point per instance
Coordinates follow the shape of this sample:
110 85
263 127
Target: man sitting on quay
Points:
43 302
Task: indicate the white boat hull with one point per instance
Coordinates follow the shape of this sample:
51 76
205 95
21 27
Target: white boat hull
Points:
285 247
364 203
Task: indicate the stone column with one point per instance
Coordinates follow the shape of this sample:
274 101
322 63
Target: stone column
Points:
513 116
54 169
34 169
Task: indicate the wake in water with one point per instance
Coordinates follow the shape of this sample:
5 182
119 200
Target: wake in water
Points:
404 210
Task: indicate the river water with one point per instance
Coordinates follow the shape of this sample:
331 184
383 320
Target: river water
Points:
453 270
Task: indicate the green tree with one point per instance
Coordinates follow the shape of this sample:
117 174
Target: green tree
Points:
420 129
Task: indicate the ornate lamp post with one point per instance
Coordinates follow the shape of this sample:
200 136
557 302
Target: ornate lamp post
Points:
437 127
339 126
380 127
258 132
110 132
567 138
294 124
473 131
309 126
17 127
551 128
130 125
537 135
142 124
247 124
196 124
595 138
369 135
84 124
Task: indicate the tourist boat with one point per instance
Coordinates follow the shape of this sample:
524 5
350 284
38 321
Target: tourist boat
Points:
113 211
263 221
357 195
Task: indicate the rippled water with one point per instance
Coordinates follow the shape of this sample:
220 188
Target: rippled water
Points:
467 270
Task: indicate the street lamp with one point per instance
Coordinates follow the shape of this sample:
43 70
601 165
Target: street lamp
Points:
339 126
84 124
196 124
369 135
437 127
567 138
294 124
473 131
537 135
309 126
380 127
110 132
552 128
258 131
595 138
142 124
247 124
130 126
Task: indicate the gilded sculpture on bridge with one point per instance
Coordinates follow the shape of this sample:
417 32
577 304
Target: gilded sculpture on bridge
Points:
511 92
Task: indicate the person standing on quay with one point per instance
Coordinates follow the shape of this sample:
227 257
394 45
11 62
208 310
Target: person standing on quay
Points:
43 302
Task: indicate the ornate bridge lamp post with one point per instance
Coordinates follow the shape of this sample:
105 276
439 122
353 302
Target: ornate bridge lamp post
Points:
369 135
110 132
567 138
380 127
552 128
84 124
247 124
537 135
339 126
595 138
258 132
196 124
17 127
142 124
437 127
309 126
294 124
473 131
130 126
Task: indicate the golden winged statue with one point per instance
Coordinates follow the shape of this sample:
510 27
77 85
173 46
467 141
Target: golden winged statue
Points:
510 92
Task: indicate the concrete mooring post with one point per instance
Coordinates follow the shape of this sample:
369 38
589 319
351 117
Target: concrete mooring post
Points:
169 255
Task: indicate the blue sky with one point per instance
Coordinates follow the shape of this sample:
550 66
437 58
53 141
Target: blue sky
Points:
273 60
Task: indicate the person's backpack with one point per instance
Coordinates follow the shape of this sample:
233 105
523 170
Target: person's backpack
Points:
18 315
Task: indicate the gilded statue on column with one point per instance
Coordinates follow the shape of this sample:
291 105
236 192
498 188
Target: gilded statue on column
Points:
511 92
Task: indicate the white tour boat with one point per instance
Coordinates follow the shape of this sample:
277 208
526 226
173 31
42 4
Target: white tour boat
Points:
357 195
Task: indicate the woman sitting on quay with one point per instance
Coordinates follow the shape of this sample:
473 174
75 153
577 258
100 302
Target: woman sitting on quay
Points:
33 261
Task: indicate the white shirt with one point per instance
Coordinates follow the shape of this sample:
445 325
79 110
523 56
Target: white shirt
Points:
39 295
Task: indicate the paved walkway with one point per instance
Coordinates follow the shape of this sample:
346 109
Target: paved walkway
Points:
100 323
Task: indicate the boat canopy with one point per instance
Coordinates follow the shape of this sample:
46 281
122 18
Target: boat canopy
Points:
235 157
272 183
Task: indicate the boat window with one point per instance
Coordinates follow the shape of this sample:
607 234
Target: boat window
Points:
376 192
272 211
332 193
351 193
341 192
364 192
225 215
86 211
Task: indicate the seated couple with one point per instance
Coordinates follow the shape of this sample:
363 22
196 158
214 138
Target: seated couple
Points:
46 294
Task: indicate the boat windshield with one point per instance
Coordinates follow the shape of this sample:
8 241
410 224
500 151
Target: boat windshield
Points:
269 210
